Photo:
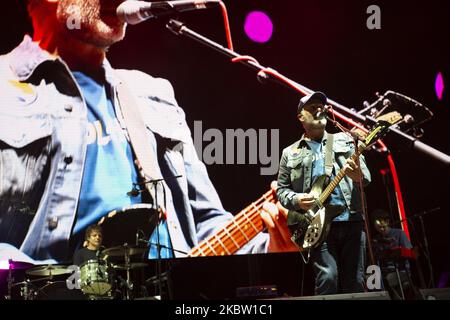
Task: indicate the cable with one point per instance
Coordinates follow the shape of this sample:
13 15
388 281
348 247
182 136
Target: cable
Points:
392 167
226 23
359 184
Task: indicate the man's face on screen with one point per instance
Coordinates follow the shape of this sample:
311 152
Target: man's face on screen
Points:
91 21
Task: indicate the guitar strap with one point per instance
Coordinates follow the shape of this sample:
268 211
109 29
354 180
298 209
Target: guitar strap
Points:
329 155
137 132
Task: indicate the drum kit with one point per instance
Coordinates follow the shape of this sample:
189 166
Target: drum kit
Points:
98 279
39 279
109 276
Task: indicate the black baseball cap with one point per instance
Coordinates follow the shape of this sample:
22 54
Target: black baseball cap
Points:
316 96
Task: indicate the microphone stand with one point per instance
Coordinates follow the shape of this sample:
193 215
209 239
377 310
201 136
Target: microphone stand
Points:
162 276
158 243
162 246
149 243
155 183
265 73
425 239
136 191
427 250
9 280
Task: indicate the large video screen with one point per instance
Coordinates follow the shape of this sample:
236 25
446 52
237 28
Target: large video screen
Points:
184 136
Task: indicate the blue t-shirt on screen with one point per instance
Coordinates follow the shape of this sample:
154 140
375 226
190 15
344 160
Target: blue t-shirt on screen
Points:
109 171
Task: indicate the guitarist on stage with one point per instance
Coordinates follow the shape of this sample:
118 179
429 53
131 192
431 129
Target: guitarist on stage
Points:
338 262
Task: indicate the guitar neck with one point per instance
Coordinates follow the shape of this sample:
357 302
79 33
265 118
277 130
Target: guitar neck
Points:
238 232
341 174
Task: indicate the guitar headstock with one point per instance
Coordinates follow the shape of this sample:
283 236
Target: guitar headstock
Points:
413 113
391 117
378 132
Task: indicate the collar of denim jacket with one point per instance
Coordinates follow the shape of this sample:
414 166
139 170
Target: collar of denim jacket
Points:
25 58
303 140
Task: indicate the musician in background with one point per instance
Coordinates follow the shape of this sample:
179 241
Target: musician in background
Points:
385 241
91 246
339 262
387 237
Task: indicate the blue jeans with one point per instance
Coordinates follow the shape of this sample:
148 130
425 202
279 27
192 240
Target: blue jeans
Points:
339 263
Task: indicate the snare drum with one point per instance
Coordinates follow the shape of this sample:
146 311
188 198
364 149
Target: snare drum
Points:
96 278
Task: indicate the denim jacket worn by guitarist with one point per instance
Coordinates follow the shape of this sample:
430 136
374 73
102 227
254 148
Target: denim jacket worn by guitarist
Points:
296 170
43 123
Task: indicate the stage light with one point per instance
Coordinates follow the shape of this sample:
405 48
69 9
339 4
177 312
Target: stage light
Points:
258 26
439 86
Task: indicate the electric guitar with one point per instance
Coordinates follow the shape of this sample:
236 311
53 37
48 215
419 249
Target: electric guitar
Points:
248 223
310 228
238 232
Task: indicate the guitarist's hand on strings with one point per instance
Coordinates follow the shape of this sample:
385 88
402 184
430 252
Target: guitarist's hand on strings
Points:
352 170
305 201
274 217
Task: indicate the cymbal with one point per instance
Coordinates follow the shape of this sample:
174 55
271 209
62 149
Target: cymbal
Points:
15 265
132 265
121 251
49 270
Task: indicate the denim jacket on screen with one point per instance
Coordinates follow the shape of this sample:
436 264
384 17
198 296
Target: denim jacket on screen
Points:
43 123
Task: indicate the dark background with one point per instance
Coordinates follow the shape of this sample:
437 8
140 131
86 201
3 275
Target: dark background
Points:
325 46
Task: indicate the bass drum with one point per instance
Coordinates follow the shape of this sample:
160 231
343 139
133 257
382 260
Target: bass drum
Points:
58 290
97 278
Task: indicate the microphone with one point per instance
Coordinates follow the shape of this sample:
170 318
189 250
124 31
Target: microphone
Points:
322 113
99 251
134 192
134 12
140 237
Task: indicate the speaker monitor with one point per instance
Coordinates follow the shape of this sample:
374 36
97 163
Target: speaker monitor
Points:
378 295
435 294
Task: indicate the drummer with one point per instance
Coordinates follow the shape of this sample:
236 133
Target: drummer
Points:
91 246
